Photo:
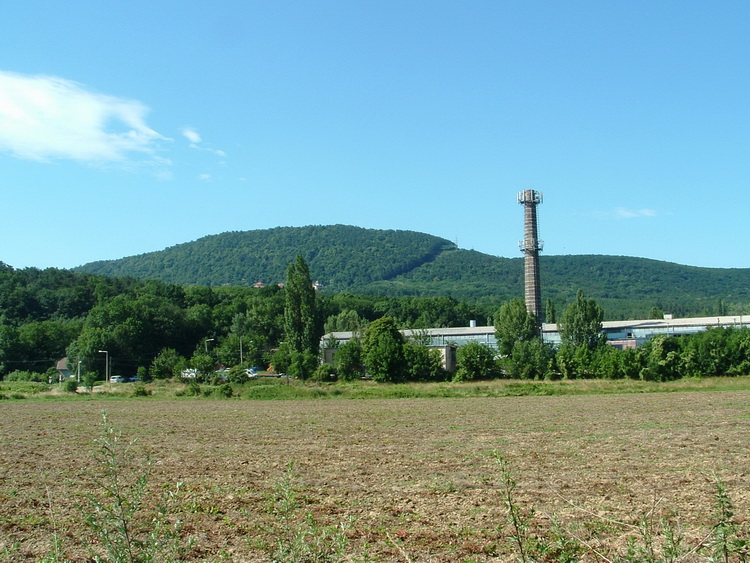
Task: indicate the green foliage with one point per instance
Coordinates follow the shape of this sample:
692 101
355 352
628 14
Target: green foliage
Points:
581 323
121 514
143 374
383 351
529 359
205 365
347 320
192 390
141 391
225 391
342 256
404 263
422 363
89 378
301 332
70 386
348 360
166 364
473 361
514 323
26 376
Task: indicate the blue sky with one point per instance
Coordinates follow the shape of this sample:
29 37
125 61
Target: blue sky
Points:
128 127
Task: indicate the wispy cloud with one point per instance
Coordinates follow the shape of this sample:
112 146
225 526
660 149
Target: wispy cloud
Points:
625 213
46 117
194 137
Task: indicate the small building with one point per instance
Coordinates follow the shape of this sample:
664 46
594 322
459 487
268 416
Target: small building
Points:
63 371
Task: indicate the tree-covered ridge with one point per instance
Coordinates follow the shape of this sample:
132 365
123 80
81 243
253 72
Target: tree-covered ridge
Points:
404 263
340 257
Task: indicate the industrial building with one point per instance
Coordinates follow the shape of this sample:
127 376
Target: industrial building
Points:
621 334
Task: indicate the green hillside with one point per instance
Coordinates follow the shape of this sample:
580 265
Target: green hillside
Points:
406 263
340 257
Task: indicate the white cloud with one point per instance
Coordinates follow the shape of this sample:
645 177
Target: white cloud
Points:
192 136
46 117
624 213
205 177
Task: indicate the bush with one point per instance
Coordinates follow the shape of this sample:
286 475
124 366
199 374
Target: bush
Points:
225 391
71 386
141 391
474 360
324 372
26 376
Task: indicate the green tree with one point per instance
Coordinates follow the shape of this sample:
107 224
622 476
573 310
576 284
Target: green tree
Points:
348 360
422 363
581 323
514 323
474 360
529 359
166 364
205 365
383 350
550 312
300 319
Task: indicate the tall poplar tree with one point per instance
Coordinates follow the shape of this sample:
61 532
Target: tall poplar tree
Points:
581 323
514 323
302 335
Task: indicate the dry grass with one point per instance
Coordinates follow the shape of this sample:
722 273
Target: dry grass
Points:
416 477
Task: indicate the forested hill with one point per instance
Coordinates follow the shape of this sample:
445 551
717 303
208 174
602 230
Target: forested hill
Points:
340 257
397 263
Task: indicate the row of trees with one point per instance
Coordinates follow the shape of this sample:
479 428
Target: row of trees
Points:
584 352
155 329
48 314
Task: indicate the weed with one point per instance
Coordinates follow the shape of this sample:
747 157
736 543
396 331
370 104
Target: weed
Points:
656 537
299 536
119 515
727 544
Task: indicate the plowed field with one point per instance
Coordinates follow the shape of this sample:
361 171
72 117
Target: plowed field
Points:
416 480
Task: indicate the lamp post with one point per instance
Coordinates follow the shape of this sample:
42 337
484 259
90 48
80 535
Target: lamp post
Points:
106 364
79 371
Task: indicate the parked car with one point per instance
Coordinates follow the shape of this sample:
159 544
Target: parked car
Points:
117 379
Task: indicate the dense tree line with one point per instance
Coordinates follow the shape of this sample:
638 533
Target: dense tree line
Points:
163 328
406 263
584 352
156 329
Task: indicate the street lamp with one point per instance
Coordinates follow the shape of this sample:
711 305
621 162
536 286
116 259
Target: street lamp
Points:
106 364
206 343
79 370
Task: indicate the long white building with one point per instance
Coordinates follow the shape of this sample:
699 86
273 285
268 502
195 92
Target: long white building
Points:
622 334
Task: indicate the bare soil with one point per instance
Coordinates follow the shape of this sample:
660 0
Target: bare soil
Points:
416 478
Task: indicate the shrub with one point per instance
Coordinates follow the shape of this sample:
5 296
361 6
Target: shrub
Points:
141 391
128 524
19 375
225 391
71 386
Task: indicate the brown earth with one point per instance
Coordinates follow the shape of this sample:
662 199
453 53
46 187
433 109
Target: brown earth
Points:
416 479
